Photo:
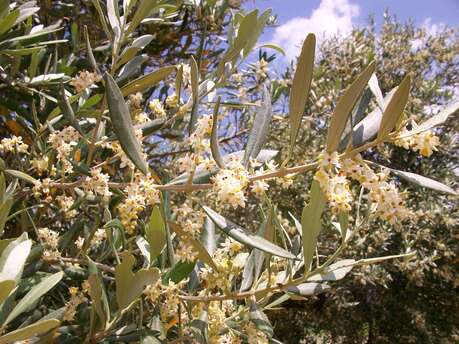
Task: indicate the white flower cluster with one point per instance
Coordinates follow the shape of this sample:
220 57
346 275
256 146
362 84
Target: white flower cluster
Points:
384 195
13 145
199 142
65 205
157 108
333 183
229 184
63 142
50 241
97 184
333 179
84 79
140 193
262 69
426 142
99 236
41 165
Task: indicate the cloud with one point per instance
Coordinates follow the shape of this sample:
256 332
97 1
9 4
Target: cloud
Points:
431 28
331 17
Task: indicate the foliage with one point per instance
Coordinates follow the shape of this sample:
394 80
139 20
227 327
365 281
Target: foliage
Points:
104 240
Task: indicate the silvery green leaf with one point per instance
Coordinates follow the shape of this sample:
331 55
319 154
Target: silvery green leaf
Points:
199 327
367 128
394 108
214 137
448 110
138 44
13 258
345 105
260 127
122 124
21 175
308 289
194 75
155 233
33 295
131 68
147 81
91 57
27 332
376 90
335 271
129 285
260 320
143 9
424 182
242 236
301 86
311 222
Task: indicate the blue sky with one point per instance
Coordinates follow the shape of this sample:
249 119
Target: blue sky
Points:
325 17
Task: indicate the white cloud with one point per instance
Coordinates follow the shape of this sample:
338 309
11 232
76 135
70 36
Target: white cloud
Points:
331 17
432 28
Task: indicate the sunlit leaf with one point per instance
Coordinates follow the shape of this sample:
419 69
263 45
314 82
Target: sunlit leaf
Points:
239 234
214 137
33 295
155 232
129 285
394 108
301 86
345 105
122 124
25 333
311 222
147 81
260 127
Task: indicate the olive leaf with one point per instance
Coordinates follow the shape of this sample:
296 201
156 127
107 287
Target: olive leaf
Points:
367 128
147 81
200 327
307 289
33 295
376 90
6 286
254 264
129 285
214 137
335 271
440 118
242 236
91 57
27 332
155 233
13 258
260 319
301 86
424 182
194 75
143 9
260 127
138 44
97 293
394 108
179 272
345 105
122 124
311 222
